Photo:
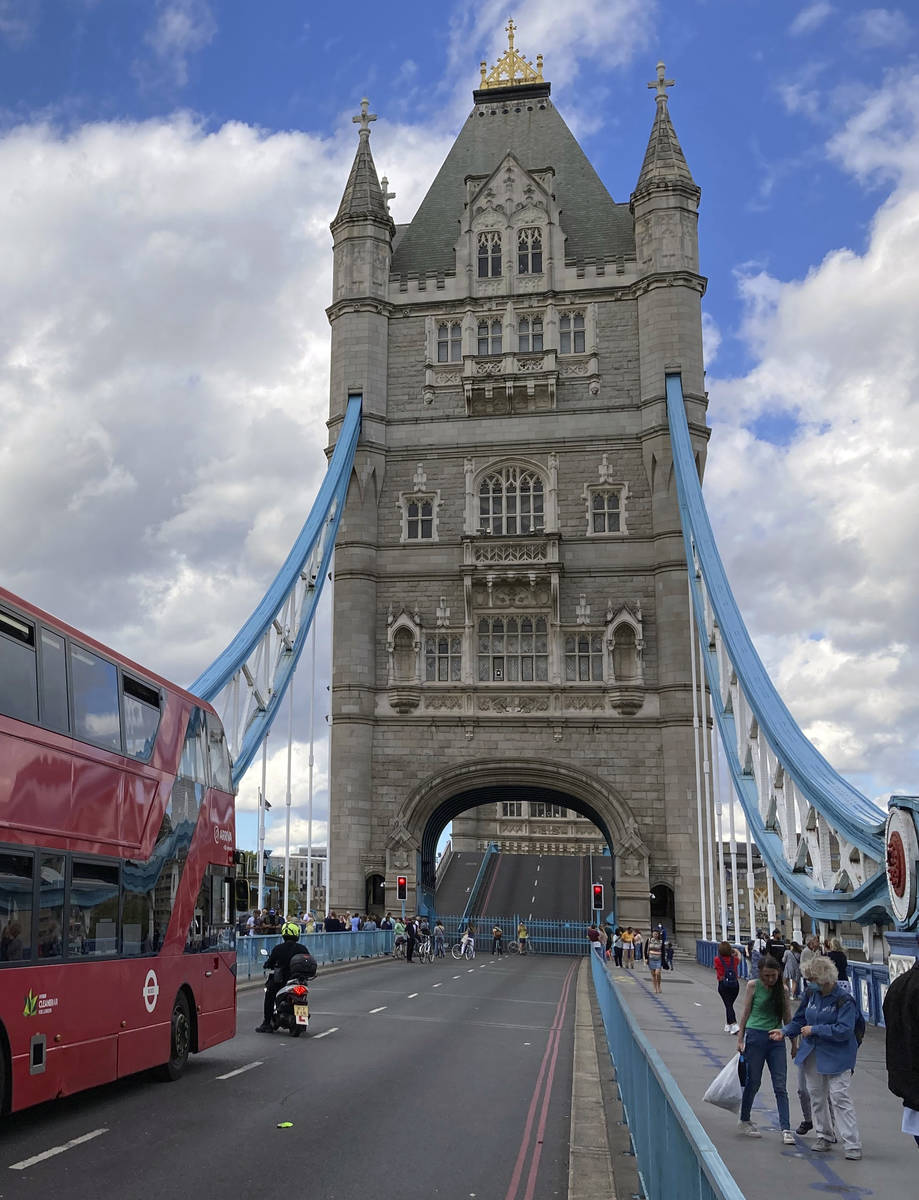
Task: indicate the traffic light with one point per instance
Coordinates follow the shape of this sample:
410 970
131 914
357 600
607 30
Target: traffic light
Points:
598 896
401 887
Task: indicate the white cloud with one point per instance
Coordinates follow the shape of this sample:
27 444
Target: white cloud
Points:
810 18
18 21
819 535
182 28
877 28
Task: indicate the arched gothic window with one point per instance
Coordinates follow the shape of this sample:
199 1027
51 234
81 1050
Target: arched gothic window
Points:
489 337
512 501
489 247
403 656
529 334
625 654
529 251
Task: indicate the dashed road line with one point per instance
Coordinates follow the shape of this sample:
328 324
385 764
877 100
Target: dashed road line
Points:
37 1158
325 1033
436 985
412 995
457 977
240 1070
380 1009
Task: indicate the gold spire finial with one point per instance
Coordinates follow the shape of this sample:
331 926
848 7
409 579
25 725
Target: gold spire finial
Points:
511 68
661 84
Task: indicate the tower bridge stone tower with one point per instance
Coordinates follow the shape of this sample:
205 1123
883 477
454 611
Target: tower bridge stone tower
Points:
511 614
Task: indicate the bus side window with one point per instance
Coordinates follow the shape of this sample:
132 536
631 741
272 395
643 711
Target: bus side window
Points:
51 906
52 668
194 760
141 705
15 907
221 774
18 678
94 888
95 699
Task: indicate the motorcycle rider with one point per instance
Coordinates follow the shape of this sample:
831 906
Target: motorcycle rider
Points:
278 962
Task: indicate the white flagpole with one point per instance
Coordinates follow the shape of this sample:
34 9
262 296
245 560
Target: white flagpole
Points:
261 826
309 847
290 746
695 727
328 835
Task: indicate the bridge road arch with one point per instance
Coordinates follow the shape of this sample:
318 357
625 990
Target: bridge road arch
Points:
413 833
510 576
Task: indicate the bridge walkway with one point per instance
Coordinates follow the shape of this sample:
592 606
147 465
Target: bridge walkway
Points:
686 1027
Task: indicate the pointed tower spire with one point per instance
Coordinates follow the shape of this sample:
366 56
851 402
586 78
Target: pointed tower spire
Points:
664 160
363 196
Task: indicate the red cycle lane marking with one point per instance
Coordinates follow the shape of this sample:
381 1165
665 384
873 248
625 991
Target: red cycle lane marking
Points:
551 1053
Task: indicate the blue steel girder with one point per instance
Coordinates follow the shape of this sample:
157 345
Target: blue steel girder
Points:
795 804
247 682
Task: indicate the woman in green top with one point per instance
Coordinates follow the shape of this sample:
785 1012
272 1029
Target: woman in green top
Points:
765 1001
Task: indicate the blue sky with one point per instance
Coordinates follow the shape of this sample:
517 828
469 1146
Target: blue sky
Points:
168 173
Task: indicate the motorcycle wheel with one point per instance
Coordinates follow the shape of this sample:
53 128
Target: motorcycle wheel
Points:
296 1031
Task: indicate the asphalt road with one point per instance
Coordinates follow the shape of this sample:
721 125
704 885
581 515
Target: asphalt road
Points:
544 886
459 1087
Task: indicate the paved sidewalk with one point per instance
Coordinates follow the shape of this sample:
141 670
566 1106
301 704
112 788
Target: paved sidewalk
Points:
686 1027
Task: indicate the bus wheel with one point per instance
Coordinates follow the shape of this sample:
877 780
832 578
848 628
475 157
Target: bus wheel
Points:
180 1041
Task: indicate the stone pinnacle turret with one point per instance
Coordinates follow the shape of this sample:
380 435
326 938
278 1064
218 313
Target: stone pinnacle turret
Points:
664 162
363 197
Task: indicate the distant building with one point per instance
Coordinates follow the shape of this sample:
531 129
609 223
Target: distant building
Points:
527 827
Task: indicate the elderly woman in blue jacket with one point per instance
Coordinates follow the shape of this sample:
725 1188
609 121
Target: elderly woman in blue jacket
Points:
825 1021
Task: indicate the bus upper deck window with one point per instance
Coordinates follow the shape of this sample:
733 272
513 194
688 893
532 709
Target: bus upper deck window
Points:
18 677
141 717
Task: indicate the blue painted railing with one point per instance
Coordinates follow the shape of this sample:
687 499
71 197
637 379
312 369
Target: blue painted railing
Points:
324 947
846 809
706 952
675 1155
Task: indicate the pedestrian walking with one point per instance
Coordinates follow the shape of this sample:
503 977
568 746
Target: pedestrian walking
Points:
628 948
439 935
497 940
765 1007
727 970
756 948
411 937
901 1016
655 957
825 1020
597 945
637 944
791 969
618 946
837 957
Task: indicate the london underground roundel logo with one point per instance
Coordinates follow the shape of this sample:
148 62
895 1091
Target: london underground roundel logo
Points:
902 857
151 991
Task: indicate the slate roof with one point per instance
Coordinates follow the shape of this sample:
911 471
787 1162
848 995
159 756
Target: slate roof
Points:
664 158
521 120
363 196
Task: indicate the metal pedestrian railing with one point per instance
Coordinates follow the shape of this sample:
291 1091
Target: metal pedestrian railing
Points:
675 1155
707 951
324 947
545 937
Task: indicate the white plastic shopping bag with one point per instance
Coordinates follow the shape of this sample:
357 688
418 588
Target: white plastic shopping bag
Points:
725 1090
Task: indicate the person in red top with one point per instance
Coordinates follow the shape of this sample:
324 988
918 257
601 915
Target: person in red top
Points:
727 968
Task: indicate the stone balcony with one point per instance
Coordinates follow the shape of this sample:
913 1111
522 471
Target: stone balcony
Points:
503 384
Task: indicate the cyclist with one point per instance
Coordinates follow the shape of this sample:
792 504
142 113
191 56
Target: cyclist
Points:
522 936
497 940
468 941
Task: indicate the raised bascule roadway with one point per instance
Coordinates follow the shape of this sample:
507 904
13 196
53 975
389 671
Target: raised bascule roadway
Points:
528 602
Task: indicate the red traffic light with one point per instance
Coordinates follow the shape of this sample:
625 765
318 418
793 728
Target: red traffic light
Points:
598 895
401 887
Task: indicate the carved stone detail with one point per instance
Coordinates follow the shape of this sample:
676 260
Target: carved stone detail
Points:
513 704
443 702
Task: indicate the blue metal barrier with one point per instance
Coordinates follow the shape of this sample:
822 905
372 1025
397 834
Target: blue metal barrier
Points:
545 937
324 947
676 1157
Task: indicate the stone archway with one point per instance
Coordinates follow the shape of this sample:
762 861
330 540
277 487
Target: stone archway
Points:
425 812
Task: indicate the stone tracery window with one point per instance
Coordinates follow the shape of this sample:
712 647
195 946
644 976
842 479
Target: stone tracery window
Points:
529 251
571 339
449 341
584 657
529 334
538 808
489 254
443 658
605 510
488 337
513 649
511 501
419 519
511 808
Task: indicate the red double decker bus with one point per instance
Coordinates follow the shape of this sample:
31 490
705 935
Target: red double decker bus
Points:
117 937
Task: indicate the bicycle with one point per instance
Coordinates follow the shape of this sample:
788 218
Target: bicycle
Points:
424 950
398 949
463 950
514 946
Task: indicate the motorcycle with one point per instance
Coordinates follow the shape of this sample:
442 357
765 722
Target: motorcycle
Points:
291 1001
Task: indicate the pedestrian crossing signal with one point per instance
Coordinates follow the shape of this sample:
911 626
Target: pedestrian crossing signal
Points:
598 896
401 887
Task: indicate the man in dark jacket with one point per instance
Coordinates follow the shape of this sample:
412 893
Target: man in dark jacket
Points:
278 962
901 1016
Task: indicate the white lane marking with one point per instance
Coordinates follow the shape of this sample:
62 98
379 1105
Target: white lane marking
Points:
412 995
436 985
532 900
317 1036
240 1070
697 1004
380 1009
30 1162
535 883
456 977
470 971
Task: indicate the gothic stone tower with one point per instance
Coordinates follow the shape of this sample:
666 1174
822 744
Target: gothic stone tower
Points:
510 582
